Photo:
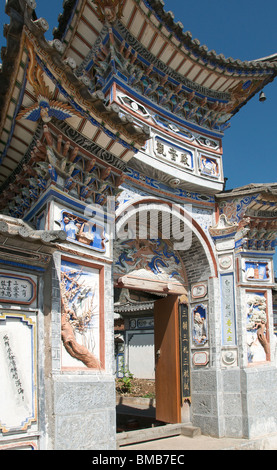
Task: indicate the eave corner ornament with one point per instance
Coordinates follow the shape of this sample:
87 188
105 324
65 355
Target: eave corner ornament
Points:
223 228
45 107
109 10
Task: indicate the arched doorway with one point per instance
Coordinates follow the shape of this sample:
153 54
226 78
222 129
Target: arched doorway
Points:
148 258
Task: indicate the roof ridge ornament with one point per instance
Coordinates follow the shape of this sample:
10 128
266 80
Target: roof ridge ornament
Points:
109 10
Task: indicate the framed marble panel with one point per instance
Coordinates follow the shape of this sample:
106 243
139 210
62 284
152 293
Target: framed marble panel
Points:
198 291
18 372
200 358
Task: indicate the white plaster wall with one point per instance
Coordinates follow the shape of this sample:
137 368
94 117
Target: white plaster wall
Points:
141 361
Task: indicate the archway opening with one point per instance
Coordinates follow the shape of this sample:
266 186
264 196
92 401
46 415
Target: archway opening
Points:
152 302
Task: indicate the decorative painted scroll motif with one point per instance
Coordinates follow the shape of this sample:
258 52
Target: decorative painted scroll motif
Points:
17 289
134 106
199 325
174 154
79 230
18 395
165 188
109 10
80 315
257 342
185 133
236 208
228 310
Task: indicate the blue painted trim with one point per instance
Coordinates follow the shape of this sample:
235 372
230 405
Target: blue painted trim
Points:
72 202
20 265
224 236
257 254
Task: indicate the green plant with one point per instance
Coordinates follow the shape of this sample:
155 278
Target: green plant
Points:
149 395
126 382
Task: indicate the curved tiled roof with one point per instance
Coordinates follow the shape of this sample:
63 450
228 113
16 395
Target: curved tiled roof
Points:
185 37
202 50
217 86
152 33
252 188
204 67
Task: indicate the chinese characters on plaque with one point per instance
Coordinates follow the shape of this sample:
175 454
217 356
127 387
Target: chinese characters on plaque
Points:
174 154
184 353
16 289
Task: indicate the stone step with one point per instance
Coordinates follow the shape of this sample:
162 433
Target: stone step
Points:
158 432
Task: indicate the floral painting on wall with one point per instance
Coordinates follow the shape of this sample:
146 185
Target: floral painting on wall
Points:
257 342
80 315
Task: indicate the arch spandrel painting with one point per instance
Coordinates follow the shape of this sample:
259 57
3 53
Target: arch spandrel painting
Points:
149 260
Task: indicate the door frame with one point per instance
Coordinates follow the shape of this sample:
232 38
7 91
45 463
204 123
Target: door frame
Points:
180 296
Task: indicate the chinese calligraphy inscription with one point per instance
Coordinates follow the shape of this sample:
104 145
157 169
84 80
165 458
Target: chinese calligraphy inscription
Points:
228 310
15 289
174 154
18 391
13 367
185 353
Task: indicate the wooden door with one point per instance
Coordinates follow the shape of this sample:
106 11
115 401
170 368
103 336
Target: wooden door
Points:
167 360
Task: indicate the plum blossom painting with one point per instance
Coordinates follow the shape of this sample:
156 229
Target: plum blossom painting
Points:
80 316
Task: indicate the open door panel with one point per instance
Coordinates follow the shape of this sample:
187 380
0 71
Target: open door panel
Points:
167 360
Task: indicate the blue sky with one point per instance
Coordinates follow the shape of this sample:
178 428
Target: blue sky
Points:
245 30
242 29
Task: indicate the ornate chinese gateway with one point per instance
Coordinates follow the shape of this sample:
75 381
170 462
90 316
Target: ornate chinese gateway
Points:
113 207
